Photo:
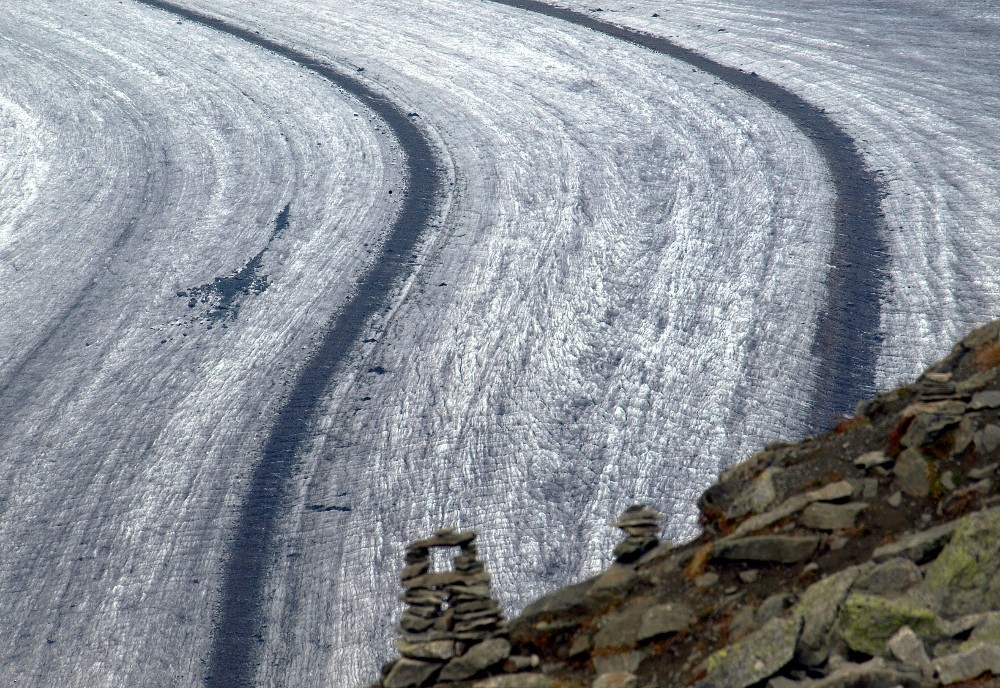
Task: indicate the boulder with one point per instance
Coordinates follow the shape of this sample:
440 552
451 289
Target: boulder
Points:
478 658
868 621
410 673
758 656
965 578
818 609
620 629
785 549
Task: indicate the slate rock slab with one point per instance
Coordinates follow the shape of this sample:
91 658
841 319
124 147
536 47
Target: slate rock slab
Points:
758 656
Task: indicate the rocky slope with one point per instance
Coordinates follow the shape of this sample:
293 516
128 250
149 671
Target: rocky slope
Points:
867 556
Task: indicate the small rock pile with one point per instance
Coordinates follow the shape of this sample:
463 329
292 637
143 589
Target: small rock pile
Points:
453 629
642 528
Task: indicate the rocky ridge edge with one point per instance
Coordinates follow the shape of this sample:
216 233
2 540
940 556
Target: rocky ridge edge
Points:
866 556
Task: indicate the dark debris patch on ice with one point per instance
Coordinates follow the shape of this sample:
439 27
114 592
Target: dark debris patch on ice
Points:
225 296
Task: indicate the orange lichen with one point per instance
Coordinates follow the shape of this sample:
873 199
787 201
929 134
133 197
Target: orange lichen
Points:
699 562
987 357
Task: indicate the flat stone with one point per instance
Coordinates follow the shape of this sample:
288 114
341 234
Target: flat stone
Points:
927 427
985 471
842 489
663 619
823 516
616 679
638 514
410 673
987 399
435 649
987 334
415 624
986 631
968 664
615 580
447 578
987 440
786 549
818 608
633 547
790 506
868 621
909 649
874 672
758 656
532 680
478 658
872 459
451 539
626 662
414 570
911 472
706 580
892 576
965 577
918 547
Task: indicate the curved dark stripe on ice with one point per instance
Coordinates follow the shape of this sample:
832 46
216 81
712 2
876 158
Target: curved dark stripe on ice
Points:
240 623
848 334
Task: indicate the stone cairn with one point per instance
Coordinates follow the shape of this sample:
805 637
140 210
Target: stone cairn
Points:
642 527
452 628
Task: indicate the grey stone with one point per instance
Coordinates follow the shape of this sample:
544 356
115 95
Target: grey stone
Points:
478 658
758 656
410 673
988 439
831 516
964 434
637 515
980 336
706 580
978 381
435 649
532 680
616 679
615 580
841 489
918 547
965 577
619 661
581 644
926 427
988 399
985 471
743 623
763 493
867 489
772 607
872 459
620 629
876 672
909 649
444 538
414 624
947 480
663 619
782 511
968 664
516 663
912 474
895 500
786 549
866 622
890 577
634 546
749 576
818 609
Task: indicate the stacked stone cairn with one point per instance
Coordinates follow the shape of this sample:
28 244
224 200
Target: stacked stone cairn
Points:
642 528
452 629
